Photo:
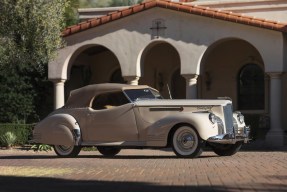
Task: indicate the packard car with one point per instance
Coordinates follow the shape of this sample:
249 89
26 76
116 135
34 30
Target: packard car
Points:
112 117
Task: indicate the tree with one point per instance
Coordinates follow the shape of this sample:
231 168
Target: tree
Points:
30 30
107 3
29 37
71 13
115 3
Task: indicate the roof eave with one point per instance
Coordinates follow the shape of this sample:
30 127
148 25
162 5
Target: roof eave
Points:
191 9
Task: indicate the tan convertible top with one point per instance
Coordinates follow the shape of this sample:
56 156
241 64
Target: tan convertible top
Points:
81 97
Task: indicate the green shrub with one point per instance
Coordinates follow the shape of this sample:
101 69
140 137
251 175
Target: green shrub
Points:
23 132
41 147
8 139
89 148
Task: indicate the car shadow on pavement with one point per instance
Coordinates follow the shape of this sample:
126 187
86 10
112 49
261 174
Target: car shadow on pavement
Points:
99 157
142 157
31 184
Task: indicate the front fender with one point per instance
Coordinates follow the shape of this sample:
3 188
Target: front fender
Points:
200 121
58 129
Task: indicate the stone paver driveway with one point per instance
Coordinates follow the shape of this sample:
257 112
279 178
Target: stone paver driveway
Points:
142 170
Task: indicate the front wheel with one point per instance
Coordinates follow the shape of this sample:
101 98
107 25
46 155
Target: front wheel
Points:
67 151
186 142
226 149
108 151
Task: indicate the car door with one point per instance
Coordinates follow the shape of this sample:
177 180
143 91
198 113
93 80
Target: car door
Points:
111 119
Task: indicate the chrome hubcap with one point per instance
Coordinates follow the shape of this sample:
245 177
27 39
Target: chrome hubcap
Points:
64 150
185 141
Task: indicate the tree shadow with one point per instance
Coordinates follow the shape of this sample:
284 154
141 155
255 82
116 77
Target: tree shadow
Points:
28 157
31 184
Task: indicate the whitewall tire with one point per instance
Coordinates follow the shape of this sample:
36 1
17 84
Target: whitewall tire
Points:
186 142
67 151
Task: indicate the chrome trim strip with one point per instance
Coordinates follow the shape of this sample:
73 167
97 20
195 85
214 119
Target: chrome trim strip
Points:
119 143
166 109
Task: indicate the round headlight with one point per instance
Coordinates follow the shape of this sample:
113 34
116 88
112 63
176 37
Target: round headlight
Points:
212 118
240 118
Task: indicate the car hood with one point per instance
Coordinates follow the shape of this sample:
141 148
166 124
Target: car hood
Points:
181 102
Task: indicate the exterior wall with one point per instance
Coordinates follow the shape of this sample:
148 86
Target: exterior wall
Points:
275 10
89 13
279 15
189 34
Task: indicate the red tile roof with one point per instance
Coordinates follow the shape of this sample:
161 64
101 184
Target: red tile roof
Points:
191 9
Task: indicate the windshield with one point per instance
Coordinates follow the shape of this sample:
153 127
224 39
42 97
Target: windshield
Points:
142 94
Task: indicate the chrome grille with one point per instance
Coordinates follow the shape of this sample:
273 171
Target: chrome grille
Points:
228 118
220 125
235 126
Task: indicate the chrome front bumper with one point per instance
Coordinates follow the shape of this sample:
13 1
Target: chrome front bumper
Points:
231 138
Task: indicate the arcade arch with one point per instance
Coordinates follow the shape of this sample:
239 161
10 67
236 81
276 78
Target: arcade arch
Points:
221 71
160 68
95 64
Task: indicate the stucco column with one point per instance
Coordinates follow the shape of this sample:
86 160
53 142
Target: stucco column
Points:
59 93
132 80
275 136
191 86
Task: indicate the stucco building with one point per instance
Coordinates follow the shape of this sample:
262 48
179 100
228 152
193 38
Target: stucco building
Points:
196 49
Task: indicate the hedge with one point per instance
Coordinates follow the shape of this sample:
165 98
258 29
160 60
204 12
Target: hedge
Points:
23 132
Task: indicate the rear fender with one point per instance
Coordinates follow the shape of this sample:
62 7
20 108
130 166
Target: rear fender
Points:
58 129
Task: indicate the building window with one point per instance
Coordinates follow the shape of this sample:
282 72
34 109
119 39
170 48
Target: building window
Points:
251 88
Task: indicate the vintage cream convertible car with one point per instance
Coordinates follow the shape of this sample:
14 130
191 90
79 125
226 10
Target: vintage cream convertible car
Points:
117 116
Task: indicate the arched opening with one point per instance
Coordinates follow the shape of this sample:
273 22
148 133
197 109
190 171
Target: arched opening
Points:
220 66
234 68
94 64
158 63
251 88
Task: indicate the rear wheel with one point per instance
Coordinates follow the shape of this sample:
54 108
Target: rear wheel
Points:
67 151
186 142
226 149
108 151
